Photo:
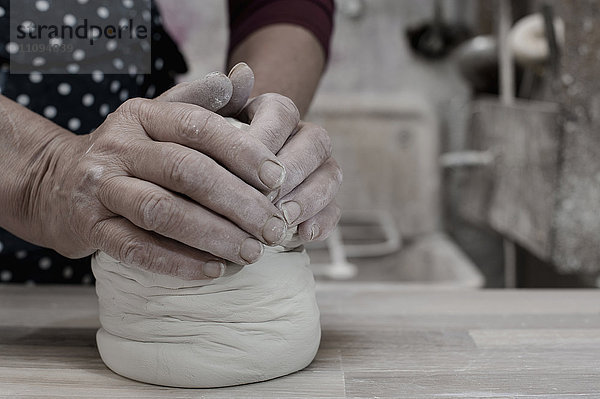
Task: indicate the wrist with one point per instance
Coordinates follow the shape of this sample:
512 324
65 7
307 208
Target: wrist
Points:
47 198
28 147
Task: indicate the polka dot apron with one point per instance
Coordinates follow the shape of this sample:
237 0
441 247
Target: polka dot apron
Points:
80 103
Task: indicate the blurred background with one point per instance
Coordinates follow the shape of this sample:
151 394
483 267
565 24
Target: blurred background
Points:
468 132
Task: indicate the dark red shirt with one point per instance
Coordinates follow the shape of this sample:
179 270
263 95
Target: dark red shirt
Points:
247 16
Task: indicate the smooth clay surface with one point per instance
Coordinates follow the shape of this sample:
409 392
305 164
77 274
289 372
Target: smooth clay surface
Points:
255 323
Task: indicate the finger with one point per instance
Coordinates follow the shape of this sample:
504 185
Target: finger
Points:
313 194
320 226
194 127
304 153
202 179
272 118
242 79
133 246
213 92
155 209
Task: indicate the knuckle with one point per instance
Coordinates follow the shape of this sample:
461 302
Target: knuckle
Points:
194 122
171 269
92 174
297 170
133 108
97 230
134 252
287 105
338 173
179 167
193 174
159 212
322 141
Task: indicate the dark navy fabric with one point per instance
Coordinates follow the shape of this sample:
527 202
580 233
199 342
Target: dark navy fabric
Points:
79 103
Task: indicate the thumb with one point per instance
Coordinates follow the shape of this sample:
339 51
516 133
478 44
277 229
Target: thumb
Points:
216 92
212 92
242 79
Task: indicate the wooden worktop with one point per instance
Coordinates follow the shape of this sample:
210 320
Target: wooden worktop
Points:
380 340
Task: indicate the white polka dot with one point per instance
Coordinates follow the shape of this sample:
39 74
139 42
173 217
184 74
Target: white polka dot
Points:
67 272
87 279
12 48
146 15
45 263
35 77
78 55
111 45
123 22
87 100
139 80
55 41
2 12
132 70
127 3
94 33
97 76
73 68
104 109
23 99
28 26
159 63
103 12
64 89
21 254
145 46
158 20
118 63
69 19
50 111
1 246
151 91
82 1
38 61
124 95
115 85
42 5
5 275
74 124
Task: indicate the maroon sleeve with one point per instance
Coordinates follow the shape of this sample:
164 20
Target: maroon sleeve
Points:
247 16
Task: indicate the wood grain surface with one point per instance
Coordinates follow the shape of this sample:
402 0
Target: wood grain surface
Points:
379 340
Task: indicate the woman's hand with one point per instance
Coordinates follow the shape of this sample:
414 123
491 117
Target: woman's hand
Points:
313 177
167 186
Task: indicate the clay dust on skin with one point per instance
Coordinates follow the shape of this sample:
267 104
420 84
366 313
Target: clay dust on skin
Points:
220 96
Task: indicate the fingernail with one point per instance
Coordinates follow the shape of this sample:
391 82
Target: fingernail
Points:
291 211
236 66
251 250
272 174
213 269
274 230
314 231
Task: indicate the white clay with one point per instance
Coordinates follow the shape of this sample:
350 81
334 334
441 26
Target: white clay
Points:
256 323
